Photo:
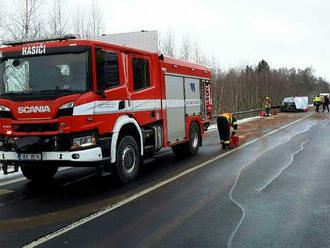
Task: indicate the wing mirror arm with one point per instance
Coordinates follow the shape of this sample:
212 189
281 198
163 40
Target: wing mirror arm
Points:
101 92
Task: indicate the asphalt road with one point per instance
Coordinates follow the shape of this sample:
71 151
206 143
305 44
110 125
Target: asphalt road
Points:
271 192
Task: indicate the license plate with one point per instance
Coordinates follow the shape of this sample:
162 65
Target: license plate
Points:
10 169
29 156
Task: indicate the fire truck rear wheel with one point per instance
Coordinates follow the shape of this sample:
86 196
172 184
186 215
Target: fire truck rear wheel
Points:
128 159
192 146
38 173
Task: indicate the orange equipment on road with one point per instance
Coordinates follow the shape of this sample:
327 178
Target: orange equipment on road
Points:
234 141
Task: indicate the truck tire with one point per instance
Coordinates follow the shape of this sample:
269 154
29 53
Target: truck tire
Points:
128 159
192 146
38 173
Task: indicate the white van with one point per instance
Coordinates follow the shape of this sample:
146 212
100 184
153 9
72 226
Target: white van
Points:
323 95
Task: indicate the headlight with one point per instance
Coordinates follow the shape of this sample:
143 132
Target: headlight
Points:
65 110
67 105
5 112
4 108
84 141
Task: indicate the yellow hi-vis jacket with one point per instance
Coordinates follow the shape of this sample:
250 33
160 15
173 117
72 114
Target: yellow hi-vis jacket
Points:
231 120
267 104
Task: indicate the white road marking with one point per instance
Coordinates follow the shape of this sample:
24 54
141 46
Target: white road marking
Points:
20 179
147 191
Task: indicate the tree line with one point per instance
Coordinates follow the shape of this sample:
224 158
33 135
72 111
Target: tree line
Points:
243 89
239 89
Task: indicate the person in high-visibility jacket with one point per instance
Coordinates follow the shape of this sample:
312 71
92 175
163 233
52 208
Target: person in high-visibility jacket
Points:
225 122
267 106
317 102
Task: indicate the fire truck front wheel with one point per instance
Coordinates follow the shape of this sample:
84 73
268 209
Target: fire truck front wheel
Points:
38 173
128 159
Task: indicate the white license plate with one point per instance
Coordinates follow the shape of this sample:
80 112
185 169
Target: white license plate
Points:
10 168
29 156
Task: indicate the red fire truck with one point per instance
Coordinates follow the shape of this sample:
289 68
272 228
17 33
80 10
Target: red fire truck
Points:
69 102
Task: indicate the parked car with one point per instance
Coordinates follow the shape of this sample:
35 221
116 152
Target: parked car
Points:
294 104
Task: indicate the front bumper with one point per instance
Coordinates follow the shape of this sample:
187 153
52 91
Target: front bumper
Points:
88 155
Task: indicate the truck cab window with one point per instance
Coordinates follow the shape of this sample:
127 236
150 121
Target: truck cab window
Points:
141 75
107 69
17 75
54 74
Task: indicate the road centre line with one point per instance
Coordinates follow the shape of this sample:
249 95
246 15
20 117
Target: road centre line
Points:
148 190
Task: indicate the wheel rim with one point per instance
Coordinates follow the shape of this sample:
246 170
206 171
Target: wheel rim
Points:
128 160
195 140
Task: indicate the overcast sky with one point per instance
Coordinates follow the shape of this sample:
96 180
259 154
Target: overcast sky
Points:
236 32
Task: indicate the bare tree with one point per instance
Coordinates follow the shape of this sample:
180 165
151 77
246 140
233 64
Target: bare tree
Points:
88 24
58 18
185 50
167 44
198 55
96 20
79 25
24 20
2 19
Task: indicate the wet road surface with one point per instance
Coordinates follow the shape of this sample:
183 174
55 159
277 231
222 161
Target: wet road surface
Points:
272 192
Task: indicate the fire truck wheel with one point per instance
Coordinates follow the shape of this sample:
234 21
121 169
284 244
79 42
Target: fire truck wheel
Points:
192 146
128 159
38 173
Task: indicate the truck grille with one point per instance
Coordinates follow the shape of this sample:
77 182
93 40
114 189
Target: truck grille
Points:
28 128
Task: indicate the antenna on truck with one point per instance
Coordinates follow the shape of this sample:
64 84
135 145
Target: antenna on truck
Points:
26 41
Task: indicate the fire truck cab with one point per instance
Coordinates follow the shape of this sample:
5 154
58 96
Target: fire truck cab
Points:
69 102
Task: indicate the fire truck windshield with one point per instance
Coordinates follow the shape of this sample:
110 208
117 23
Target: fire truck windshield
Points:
44 76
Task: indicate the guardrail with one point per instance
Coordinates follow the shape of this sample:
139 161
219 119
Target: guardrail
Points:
247 113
